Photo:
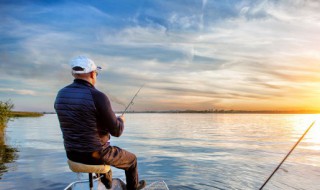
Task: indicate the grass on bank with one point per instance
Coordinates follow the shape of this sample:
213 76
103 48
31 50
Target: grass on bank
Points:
6 113
5 110
24 114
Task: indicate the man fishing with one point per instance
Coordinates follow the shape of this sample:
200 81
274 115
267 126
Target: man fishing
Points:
87 121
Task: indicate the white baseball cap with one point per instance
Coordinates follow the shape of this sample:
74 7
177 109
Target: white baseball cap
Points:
82 64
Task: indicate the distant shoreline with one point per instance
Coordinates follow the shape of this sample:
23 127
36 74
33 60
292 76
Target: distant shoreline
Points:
213 112
228 112
25 114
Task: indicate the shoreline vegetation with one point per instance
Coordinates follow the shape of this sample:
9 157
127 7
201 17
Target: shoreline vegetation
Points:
6 113
7 153
25 114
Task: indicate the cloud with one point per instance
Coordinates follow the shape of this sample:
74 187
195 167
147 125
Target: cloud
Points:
225 52
20 92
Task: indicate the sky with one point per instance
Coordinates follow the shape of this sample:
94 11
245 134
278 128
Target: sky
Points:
189 54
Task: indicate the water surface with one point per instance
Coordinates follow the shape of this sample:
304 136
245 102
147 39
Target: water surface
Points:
187 151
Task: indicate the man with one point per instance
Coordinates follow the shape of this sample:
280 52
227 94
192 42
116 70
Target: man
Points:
87 121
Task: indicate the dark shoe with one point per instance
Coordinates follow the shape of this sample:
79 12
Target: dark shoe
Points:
142 184
107 183
106 179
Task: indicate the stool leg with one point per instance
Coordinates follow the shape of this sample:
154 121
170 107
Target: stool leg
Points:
90 181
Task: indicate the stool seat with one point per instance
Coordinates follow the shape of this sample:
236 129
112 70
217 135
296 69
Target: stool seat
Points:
84 168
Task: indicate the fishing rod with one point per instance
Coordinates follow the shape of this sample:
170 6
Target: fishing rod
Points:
131 102
287 155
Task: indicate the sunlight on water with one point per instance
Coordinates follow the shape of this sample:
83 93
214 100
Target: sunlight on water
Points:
313 137
311 141
301 124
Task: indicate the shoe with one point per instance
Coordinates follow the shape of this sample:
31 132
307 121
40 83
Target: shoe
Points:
106 179
107 183
142 184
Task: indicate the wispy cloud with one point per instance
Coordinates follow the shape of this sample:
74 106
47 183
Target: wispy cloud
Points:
16 91
195 54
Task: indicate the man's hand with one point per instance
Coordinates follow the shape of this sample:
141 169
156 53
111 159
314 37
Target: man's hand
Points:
122 118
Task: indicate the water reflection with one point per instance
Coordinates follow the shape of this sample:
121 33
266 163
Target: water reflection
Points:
7 153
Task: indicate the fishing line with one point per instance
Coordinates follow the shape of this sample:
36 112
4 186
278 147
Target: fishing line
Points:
287 155
115 100
131 102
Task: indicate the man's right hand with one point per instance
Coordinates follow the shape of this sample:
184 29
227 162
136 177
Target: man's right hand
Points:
122 118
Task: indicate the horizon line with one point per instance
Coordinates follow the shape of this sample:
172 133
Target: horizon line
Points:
209 111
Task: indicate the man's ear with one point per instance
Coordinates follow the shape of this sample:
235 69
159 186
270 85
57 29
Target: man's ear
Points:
92 75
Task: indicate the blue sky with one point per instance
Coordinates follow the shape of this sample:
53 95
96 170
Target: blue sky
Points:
192 54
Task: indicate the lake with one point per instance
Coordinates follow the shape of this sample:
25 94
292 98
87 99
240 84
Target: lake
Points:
187 151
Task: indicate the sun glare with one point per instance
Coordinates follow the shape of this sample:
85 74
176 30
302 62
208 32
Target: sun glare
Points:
313 136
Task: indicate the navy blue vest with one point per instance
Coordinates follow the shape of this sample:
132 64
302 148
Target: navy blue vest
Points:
78 118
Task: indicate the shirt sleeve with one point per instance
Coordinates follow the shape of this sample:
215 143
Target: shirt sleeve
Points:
106 118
